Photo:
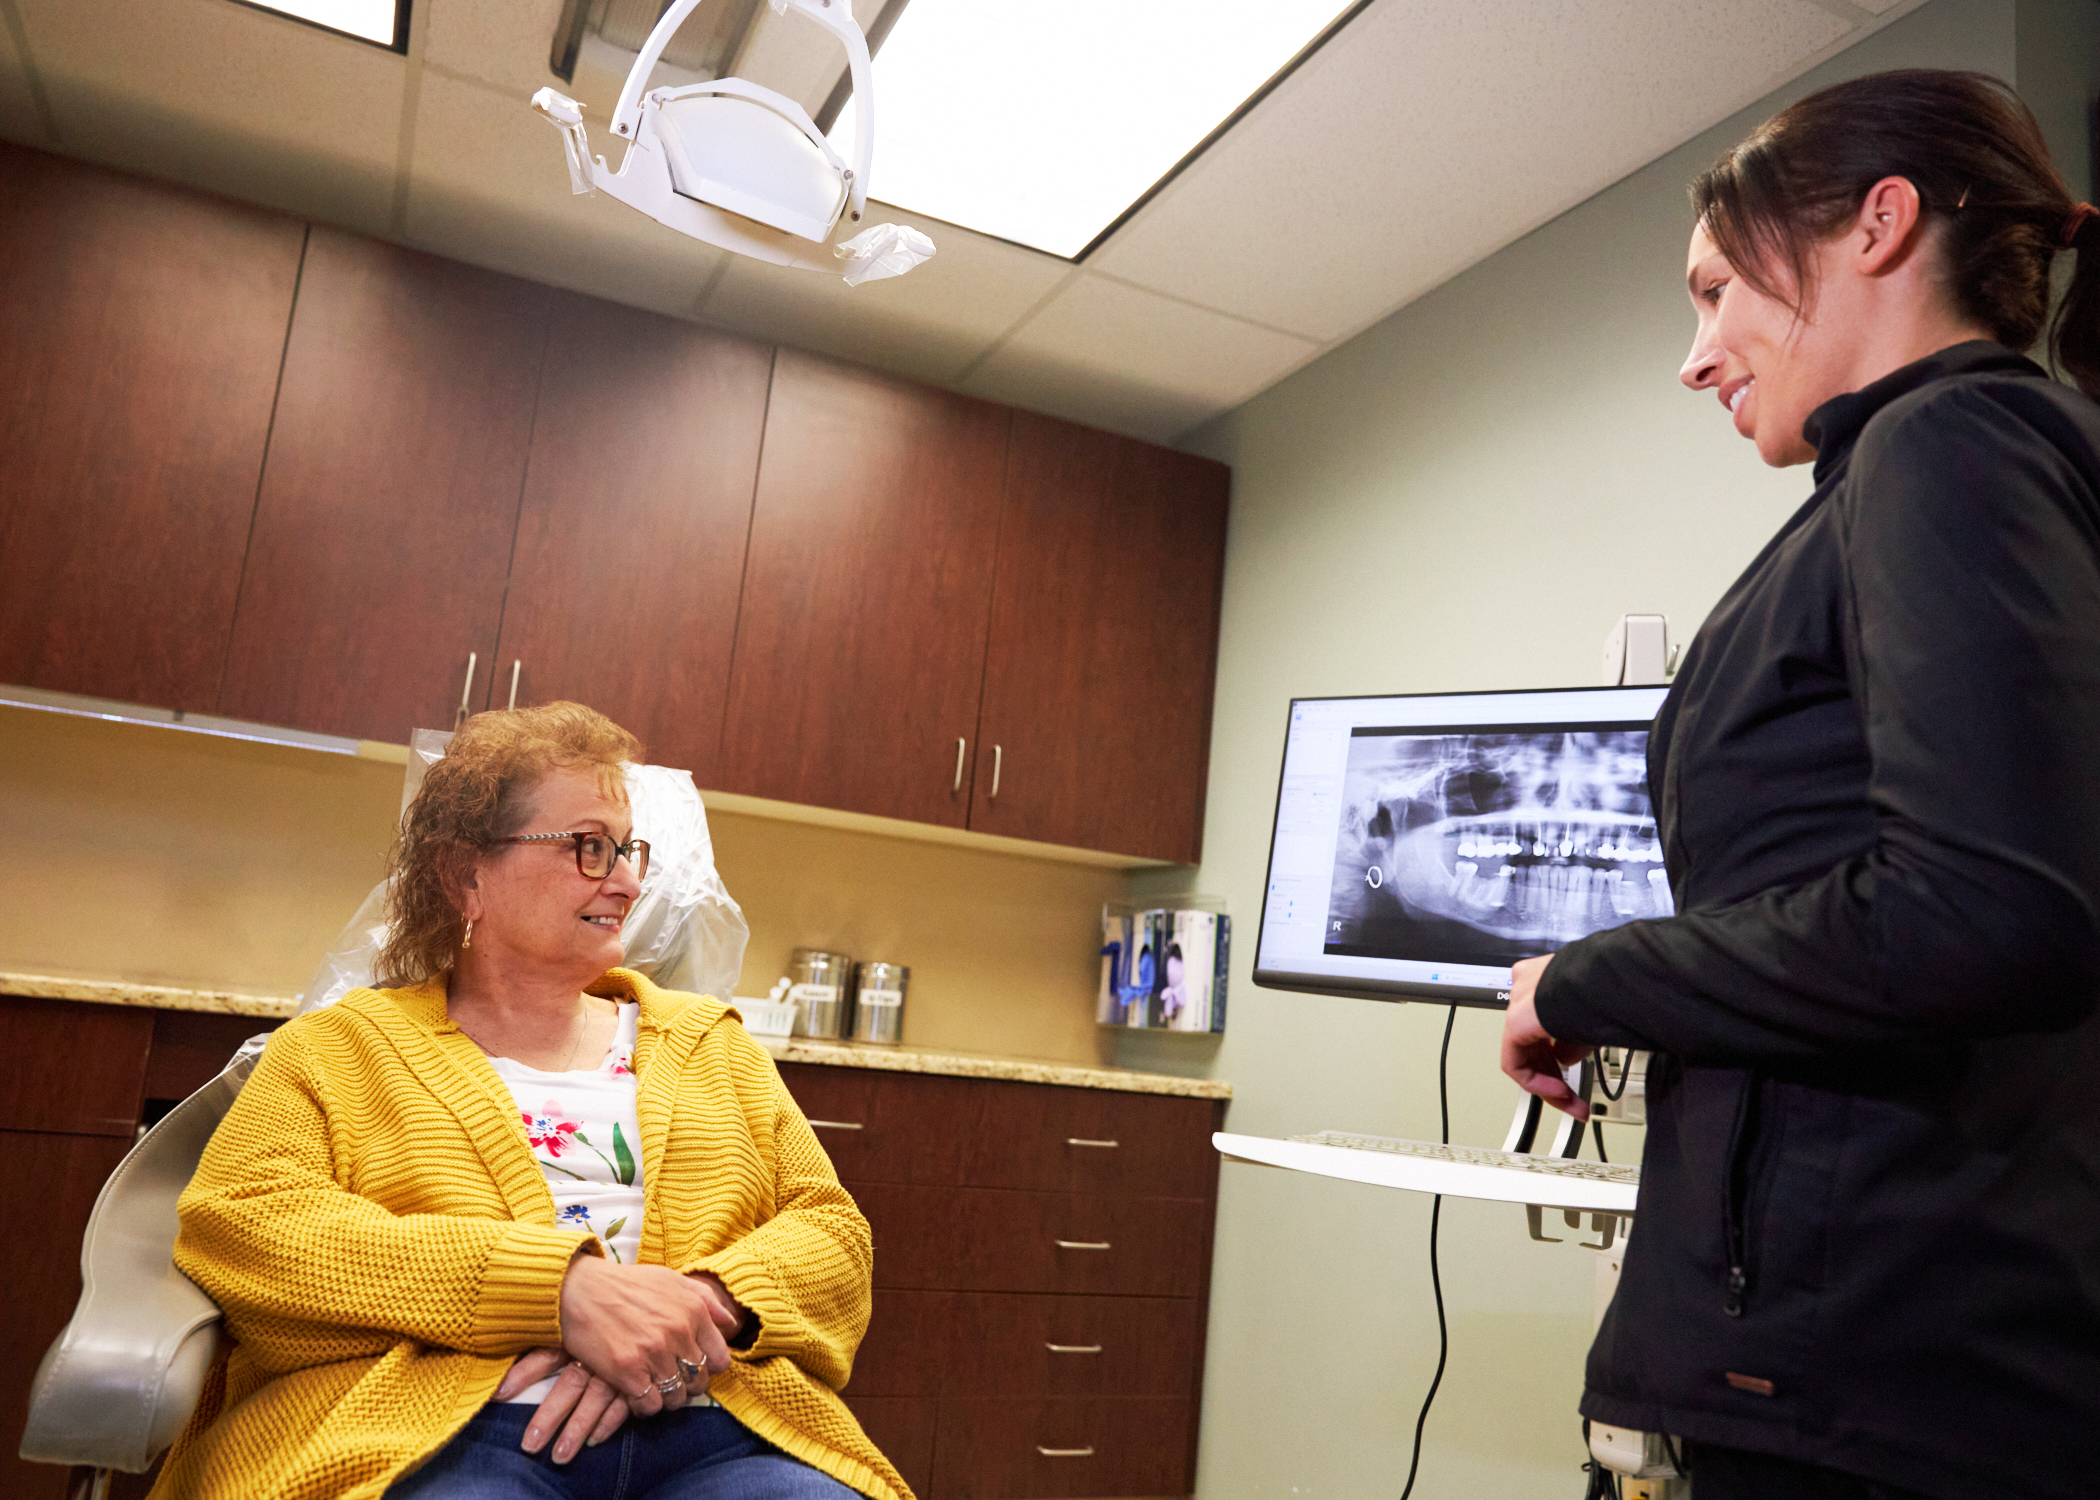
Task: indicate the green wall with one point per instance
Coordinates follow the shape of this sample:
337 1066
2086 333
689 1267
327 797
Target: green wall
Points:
1467 496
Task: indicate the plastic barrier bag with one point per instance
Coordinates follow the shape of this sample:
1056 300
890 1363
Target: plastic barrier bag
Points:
885 250
685 931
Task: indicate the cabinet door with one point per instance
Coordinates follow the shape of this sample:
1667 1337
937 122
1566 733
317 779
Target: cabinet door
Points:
43 1258
1104 643
140 332
860 643
631 538
390 497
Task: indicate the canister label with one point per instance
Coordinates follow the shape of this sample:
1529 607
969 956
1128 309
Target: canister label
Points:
814 994
882 997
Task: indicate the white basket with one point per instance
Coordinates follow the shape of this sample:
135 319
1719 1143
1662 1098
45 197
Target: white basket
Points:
766 1017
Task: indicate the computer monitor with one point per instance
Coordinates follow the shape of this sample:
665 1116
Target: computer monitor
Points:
1425 842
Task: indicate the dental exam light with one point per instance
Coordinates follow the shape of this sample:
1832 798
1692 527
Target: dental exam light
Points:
736 165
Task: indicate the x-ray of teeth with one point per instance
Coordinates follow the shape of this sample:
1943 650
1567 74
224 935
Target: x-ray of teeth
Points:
1486 847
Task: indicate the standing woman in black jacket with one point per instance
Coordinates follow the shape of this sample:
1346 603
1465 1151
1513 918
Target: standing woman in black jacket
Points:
1868 1255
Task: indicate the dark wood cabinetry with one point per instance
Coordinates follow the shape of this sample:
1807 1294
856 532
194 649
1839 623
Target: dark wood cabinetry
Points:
1042 1262
289 475
1103 647
140 333
860 644
636 515
390 497
78 1079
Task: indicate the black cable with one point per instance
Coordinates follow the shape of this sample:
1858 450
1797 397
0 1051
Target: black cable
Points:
1625 1072
1436 1280
1597 1135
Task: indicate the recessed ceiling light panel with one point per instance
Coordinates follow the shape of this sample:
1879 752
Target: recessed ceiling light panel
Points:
1045 123
384 22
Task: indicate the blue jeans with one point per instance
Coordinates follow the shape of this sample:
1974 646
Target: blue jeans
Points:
696 1453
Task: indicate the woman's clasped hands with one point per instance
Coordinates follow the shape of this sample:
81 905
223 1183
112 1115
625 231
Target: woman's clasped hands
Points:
637 1339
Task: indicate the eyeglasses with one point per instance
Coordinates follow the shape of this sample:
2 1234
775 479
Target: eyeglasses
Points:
595 852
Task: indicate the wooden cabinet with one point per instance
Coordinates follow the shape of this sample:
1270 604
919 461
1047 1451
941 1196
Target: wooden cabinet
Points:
78 1079
141 329
1095 728
631 536
956 614
1040 1296
298 477
860 642
390 496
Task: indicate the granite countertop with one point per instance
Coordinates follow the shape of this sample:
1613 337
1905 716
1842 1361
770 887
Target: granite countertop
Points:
148 996
897 1059
909 1059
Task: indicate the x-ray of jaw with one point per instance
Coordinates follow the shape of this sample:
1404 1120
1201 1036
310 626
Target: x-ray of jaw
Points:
1486 847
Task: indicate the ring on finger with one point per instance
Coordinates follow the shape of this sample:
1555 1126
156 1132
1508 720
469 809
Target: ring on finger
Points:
692 1371
670 1385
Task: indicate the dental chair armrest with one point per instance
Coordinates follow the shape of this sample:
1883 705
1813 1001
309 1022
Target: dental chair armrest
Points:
123 1378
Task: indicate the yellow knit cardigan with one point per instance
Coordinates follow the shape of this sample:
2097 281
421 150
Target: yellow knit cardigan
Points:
372 1221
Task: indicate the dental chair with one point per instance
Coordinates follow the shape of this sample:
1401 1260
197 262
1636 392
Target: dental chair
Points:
121 1381
123 1378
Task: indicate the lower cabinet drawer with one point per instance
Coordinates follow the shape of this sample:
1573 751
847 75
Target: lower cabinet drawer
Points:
903 1428
967 1344
993 1450
993 1240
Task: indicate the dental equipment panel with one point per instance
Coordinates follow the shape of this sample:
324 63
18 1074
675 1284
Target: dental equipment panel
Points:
737 165
1423 843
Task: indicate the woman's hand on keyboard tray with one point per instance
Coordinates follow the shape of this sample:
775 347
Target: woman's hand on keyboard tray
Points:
1530 1055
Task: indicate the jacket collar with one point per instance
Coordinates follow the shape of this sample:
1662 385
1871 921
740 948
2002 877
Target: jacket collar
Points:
1833 427
670 1025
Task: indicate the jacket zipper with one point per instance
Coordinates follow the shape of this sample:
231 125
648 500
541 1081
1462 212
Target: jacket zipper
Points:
1734 1196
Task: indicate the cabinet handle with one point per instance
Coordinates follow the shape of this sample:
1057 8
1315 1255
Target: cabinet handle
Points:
466 694
836 1125
960 746
1073 1348
1064 1452
515 668
1073 1140
998 755
1081 1244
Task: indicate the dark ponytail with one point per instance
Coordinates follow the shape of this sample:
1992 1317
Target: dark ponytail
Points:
1983 174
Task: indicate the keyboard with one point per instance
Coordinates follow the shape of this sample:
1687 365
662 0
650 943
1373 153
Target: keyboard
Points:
1474 1156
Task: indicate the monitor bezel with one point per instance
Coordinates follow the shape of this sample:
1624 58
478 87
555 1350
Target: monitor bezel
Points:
1395 991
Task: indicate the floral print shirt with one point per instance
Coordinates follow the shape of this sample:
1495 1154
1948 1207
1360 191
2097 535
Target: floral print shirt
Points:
587 1140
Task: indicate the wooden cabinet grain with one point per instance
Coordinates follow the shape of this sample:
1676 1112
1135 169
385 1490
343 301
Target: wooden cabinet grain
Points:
860 642
996 1341
141 329
1095 727
390 496
636 514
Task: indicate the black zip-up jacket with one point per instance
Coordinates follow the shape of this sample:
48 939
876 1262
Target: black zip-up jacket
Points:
1869 1229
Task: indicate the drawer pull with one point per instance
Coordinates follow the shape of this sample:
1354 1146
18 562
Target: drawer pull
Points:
1064 1452
836 1125
1073 1140
1073 1348
1082 1244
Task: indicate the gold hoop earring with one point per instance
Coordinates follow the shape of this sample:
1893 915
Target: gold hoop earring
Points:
468 940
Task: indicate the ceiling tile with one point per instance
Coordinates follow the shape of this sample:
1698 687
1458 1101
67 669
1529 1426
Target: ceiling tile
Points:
488 185
225 97
1427 135
502 42
1124 358
928 324
795 56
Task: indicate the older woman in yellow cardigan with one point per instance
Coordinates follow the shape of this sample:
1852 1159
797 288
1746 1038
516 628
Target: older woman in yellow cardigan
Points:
521 1224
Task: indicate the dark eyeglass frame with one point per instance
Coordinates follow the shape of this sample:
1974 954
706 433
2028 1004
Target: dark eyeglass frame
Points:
634 851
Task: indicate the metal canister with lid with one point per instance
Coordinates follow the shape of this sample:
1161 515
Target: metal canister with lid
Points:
878 1006
820 992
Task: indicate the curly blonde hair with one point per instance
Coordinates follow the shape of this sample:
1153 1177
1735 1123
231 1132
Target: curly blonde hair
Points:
477 795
